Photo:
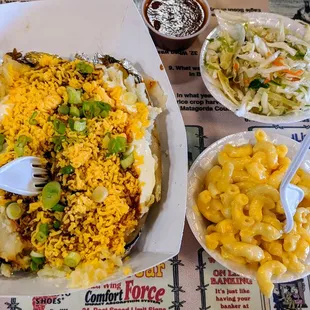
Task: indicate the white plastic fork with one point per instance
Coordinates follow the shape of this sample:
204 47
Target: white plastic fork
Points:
291 195
23 176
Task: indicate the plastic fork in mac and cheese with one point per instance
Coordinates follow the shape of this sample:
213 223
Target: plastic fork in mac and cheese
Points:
242 200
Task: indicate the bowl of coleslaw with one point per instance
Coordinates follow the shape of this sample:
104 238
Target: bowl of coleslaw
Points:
201 227
258 66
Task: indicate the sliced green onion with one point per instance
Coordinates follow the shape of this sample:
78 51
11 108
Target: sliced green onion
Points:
32 120
59 126
63 109
117 145
88 109
34 266
72 259
67 170
71 123
74 96
36 254
57 147
74 111
38 260
57 224
95 108
105 141
44 228
100 193
104 106
14 211
20 144
104 114
84 67
127 161
57 140
58 215
258 83
299 56
129 98
41 237
79 125
129 150
58 208
2 141
42 233
51 194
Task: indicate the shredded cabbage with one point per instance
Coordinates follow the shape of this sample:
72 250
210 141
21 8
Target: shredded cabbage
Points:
226 87
264 102
261 46
226 59
293 39
252 56
270 59
283 46
261 69
230 23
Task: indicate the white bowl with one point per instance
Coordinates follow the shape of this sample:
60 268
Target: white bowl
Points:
256 19
198 224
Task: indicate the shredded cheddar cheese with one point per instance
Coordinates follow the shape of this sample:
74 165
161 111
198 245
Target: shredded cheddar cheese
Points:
96 231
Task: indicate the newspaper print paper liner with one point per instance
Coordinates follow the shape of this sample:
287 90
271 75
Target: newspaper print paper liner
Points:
266 19
198 224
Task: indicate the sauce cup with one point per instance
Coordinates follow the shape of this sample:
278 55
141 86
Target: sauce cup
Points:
174 43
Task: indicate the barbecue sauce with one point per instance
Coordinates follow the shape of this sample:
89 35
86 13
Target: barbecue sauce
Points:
177 18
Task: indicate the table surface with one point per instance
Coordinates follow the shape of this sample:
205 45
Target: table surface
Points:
193 280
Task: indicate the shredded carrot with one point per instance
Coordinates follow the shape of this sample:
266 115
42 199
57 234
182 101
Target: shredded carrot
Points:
236 66
246 82
278 61
294 79
266 81
295 73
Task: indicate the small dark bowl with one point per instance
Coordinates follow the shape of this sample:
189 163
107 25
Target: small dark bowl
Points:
173 43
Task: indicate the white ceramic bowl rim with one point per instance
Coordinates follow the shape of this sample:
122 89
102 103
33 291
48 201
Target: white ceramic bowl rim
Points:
269 19
197 172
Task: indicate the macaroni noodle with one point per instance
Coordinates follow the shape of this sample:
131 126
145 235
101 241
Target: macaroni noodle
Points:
249 251
266 231
260 135
290 242
242 201
275 248
240 219
291 261
237 259
271 153
302 249
265 273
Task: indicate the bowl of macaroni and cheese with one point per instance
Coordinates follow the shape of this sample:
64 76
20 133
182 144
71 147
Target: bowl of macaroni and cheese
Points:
235 212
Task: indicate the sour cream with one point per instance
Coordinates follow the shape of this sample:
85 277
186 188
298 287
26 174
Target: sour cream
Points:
147 169
4 108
